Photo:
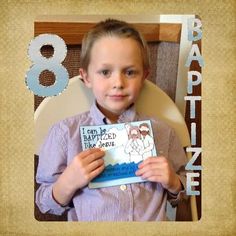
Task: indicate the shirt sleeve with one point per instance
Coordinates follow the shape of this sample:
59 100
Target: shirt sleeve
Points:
179 160
52 162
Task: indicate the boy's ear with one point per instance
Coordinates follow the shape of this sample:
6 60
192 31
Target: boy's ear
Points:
84 77
146 74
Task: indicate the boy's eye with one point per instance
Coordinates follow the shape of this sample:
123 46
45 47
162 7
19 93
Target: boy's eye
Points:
105 73
130 73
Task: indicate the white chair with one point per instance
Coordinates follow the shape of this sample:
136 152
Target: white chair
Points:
78 98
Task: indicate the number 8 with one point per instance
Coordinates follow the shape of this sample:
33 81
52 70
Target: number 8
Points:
52 64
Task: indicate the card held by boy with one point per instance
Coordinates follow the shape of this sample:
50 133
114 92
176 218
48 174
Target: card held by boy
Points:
125 145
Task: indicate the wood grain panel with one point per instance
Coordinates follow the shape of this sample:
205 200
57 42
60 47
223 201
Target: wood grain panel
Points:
170 32
73 32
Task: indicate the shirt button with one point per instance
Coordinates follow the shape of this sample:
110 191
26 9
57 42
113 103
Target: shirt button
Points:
123 187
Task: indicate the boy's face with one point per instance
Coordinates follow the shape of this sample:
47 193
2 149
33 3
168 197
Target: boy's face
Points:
115 74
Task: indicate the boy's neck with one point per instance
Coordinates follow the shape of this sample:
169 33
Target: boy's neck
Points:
111 117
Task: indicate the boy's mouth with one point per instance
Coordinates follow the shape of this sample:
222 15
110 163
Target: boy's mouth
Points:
118 96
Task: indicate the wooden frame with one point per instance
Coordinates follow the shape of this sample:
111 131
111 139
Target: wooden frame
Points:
72 32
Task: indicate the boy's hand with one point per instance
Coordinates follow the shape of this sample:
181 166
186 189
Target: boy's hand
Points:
86 166
83 168
158 169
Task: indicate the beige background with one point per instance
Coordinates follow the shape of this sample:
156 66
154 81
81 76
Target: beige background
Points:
16 117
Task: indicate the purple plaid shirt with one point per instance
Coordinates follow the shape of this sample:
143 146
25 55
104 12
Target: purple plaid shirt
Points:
131 202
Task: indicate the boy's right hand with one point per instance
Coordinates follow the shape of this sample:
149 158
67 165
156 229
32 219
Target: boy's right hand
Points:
83 168
86 166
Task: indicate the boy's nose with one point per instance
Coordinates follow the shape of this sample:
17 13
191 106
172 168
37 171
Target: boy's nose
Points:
119 81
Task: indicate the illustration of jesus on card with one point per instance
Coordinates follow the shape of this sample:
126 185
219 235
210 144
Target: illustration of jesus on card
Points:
134 146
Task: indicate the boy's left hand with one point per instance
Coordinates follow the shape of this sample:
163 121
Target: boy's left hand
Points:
158 169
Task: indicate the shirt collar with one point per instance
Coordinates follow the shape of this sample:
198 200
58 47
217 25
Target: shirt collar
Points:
99 118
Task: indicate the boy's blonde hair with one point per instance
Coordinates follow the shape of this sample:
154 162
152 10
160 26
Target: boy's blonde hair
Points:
111 27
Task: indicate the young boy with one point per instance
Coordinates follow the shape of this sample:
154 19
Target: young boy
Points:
114 64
